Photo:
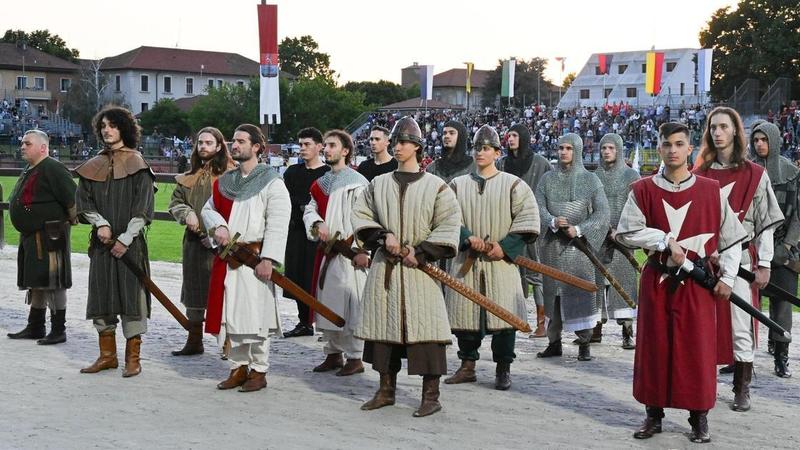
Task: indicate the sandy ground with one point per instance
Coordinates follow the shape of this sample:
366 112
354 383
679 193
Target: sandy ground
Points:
555 403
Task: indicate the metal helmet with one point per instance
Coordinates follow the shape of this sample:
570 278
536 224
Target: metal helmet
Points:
486 135
407 129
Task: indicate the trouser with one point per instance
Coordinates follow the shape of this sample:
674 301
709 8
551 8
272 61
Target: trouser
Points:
55 299
556 325
340 341
131 326
741 322
249 350
304 315
780 310
195 314
502 345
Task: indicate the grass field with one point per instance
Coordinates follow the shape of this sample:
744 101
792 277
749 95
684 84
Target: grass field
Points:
163 238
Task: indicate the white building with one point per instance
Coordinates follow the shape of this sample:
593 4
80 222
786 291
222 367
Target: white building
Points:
146 75
625 81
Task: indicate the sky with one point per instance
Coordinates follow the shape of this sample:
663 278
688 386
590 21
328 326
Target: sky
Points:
373 40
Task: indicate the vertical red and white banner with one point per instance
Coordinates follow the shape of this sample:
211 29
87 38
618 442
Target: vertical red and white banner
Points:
270 101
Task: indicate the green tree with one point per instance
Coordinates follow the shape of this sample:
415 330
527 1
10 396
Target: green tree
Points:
530 83
381 93
226 107
301 58
567 82
166 118
316 103
758 39
44 41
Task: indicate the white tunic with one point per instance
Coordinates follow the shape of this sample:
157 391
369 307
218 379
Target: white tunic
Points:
249 306
343 284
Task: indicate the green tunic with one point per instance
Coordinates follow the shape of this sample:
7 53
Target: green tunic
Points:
190 194
43 193
113 289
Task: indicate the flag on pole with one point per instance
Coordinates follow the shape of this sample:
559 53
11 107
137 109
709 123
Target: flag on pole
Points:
507 86
561 59
654 66
470 67
426 82
704 69
603 63
269 104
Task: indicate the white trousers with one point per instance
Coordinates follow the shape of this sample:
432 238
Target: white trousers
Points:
343 342
249 350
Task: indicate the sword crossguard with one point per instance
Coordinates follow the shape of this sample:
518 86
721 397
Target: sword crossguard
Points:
229 246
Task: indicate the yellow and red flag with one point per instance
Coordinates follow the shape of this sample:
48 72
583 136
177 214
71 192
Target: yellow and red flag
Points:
654 67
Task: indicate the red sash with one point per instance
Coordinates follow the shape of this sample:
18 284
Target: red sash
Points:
219 269
322 207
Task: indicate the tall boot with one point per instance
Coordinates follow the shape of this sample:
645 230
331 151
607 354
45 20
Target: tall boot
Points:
35 328
108 354
464 374
627 335
430 396
58 328
782 360
132 365
584 354
541 330
385 394
502 377
742 374
597 333
194 342
699 422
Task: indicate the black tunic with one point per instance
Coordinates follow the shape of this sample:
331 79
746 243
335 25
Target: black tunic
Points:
299 261
371 170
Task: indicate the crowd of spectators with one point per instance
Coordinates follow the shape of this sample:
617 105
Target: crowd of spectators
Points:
788 120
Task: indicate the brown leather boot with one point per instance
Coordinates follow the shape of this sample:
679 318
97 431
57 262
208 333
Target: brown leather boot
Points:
352 367
194 342
237 377
430 396
541 330
385 394
742 375
108 354
332 362
464 374
132 365
699 422
255 382
502 378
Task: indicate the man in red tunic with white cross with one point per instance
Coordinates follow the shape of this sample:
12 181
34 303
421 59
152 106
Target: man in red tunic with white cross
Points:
678 217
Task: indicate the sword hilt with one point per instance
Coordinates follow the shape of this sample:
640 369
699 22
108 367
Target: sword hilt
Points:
224 253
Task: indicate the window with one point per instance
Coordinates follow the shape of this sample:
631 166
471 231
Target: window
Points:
219 84
190 85
65 84
145 107
239 83
167 85
117 83
631 92
622 68
38 83
22 82
145 83
597 71
671 67
607 92
211 84
644 68
682 87
584 94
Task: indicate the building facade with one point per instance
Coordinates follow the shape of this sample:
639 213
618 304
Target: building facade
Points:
34 79
625 81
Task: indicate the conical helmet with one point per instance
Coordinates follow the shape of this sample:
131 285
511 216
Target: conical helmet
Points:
407 129
486 135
